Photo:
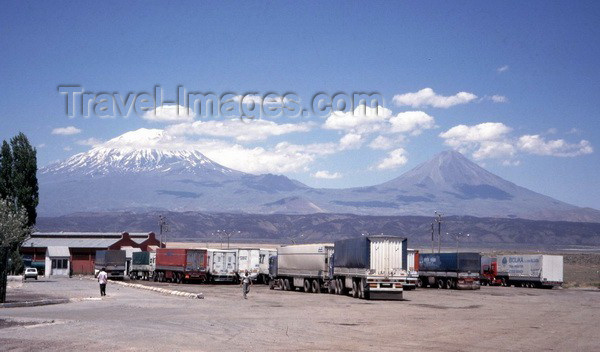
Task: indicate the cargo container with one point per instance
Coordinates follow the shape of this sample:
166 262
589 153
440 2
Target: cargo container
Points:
142 265
179 265
249 260
412 264
489 271
222 265
265 256
536 270
302 266
370 267
449 270
113 261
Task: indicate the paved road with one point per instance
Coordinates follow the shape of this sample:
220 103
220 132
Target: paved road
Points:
132 319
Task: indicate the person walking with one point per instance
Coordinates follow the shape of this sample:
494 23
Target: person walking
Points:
102 279
246 282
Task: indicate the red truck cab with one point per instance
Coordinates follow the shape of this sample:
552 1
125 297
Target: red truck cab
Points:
489 271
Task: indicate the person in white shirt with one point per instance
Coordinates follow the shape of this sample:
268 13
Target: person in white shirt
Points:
102 278
246 282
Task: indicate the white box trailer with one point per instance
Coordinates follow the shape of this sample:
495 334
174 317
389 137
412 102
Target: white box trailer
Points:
304 266
412 267
223 265
371 266
263 263
249 260
537 270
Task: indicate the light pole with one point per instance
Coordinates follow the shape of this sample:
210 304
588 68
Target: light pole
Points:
227 234
438 220
457 238
164 228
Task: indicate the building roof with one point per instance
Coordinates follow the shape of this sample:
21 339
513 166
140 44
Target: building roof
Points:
58 251
117 235
70 242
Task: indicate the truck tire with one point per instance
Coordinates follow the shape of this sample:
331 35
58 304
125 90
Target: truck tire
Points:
440 283
331 287
361 290
271 284
306 286
316 286
354 289
419 283
341 288
449 284
288 286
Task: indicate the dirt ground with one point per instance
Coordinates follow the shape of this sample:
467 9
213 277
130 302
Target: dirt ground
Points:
130 319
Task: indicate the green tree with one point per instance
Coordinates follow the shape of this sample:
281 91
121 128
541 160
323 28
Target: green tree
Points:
24 172
6 170
13 232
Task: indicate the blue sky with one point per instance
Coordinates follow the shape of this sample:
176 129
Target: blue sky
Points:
530 70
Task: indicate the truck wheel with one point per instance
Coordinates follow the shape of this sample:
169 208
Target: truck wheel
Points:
419 283
306 285
440 283
449 284
354 289
361 291
316 286
271 284
331 287
288 286
504 282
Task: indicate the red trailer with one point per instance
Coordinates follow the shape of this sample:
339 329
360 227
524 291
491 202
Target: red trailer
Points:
489 271
179 265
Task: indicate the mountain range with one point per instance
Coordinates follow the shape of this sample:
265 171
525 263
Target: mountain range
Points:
120 176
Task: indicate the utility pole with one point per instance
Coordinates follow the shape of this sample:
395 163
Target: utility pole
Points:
227 234
438 220
432 238
164 228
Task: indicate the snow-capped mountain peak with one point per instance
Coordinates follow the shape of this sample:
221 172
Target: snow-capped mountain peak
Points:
140 151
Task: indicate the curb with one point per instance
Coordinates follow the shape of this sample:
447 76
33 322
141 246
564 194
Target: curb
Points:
43 302
160 290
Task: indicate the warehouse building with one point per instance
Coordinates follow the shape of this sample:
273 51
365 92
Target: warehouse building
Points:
73 253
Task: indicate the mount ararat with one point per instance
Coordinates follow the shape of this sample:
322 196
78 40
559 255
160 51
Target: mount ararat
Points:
118 175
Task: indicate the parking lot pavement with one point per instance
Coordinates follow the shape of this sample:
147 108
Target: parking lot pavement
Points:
135 319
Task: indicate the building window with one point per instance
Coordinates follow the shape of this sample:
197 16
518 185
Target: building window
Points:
60 263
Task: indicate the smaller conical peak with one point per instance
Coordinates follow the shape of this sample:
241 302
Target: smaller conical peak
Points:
139 139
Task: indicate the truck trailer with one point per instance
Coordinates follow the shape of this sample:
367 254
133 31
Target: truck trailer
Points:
370 267
264 258
536 270
249 260
113 261
412 263
303 266
223 265
179 265
142 265
449 270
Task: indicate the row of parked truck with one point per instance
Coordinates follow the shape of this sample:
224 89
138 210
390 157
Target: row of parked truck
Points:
365 267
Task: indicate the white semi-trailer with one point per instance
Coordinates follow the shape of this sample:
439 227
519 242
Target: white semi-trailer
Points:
222 265
370 267
536 270
264 258
249 260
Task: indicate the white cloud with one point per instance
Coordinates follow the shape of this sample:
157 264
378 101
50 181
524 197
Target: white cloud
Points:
169 113
66 131
326 175
499 98
413 122
427 97
67 149
485 140
395 158
535 144
502 69
492 140
384 143
90 141
351 141
363 119
242 130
